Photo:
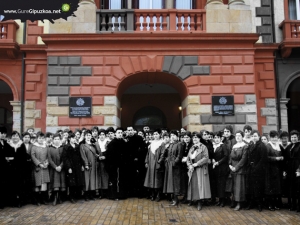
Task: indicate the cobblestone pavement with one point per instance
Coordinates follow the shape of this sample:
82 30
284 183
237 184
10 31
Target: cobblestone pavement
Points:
140 211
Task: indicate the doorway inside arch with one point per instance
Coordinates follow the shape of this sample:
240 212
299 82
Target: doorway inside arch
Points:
151 99
6 114
293 94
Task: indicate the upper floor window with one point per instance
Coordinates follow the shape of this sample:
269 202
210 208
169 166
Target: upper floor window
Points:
114 4
184 4
150 4
294 9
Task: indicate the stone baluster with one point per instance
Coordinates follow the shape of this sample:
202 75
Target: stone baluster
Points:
192 22
179 24
122 23
144 24
110 24
138 22
151 22
164 23
158 23
103 23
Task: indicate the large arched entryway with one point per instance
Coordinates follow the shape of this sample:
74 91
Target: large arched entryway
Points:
6 109
153 99
293 93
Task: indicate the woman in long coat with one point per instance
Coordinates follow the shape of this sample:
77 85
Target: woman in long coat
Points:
229 141
39 156
74 168
187 144
257 159
292 169
220 167
173 155
208 144
238 167
154 163
56 170
89 156
17 153
197 161
274 171
101 145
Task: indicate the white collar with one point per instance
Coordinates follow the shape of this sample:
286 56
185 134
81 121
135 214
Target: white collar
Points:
38 145
239 145
17 145
275 147
217 145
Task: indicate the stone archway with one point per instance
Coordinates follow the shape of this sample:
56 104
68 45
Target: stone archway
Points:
10 106
284 100
152 89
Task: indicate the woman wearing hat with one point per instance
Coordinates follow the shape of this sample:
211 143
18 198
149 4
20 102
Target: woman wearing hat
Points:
172 180
155 166
220 167
197 162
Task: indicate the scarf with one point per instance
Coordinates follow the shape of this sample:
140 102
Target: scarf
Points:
239 145
155 145
276 146
41 146
17 145
102 144
216 146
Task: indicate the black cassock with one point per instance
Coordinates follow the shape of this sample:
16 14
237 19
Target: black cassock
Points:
117 166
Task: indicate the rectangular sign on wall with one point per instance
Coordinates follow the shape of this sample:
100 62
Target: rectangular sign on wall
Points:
80 107
223 105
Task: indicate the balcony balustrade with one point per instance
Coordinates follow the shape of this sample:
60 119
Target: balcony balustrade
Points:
8 44
154 20
291 36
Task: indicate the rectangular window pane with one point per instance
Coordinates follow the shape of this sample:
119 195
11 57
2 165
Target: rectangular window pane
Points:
183 4
292 9
114 4
150 4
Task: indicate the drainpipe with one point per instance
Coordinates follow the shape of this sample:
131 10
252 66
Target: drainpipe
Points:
277 92
276 69
23 80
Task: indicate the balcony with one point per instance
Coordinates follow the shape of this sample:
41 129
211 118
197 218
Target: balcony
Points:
155 20
291 36
8 44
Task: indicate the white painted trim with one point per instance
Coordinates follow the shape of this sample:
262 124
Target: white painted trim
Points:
298 9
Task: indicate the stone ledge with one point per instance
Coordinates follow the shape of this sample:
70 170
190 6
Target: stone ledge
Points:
29 104
52 101
104 110
58 111
245 109
268 111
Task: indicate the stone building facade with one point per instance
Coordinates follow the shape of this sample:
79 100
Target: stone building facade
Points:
127 60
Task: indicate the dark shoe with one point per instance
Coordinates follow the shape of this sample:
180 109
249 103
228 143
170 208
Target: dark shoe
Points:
72 200
271 208
55 199
232 205
277 208
222 203
157 198
259 208
190 203
152 198
175 202
218 203
199 207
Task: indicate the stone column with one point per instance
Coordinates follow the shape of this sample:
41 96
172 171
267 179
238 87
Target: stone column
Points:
284 113
231 2
16 115
214 2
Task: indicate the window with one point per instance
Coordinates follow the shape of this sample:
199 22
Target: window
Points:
114 4
294 9
150 4
149 116
184 4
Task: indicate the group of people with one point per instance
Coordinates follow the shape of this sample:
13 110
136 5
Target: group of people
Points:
242 169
